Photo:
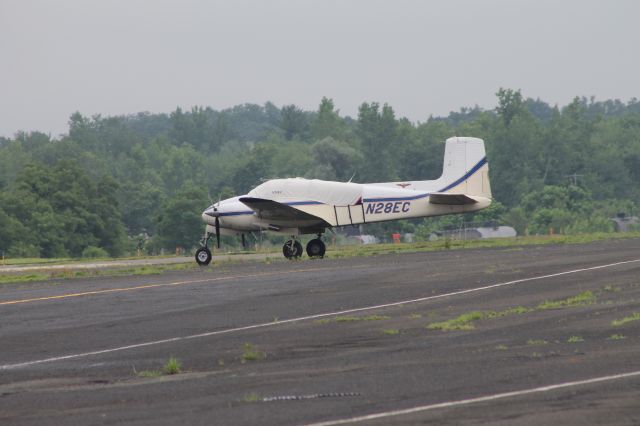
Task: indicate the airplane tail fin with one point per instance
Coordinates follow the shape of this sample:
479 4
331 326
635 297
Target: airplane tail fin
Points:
465 169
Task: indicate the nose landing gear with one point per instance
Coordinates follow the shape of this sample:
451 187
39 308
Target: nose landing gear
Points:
203 254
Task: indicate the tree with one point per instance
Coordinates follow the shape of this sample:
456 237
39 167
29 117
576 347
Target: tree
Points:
333 160
376 130
509 104
293 122
327 122
179 221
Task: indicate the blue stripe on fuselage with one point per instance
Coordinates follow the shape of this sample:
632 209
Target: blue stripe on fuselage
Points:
236 213
375 200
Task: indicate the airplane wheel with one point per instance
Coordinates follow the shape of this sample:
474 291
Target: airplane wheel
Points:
316 248
203 256
292 253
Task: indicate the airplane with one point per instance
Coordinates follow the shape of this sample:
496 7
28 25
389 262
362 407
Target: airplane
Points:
297 206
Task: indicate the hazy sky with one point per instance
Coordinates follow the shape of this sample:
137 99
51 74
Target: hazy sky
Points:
422 57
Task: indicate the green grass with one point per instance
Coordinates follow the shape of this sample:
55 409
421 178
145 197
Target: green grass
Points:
466 320
634 317
150 373
33 261
617 337
518 310
501 347
507 243
536 342
23 278
575 339
346 318
172 366
391 331
251 354
352 318
252 397
373 318
463 322
584 298
85 273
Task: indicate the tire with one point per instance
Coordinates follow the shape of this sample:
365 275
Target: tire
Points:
316 248
203 256
289 253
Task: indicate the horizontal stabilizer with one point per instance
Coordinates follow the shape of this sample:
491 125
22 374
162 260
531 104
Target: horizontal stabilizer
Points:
269 209
450 199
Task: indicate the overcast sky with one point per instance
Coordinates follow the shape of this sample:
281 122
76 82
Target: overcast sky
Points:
422 57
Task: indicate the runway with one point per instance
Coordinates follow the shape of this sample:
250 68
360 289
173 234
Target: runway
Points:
334 341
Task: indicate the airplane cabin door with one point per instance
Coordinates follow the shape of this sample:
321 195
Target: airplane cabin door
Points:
349 215
343 217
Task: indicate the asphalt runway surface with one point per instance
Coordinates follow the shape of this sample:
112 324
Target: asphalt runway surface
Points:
334 341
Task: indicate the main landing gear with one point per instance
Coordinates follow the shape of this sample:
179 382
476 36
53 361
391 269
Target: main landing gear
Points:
316 248
292 249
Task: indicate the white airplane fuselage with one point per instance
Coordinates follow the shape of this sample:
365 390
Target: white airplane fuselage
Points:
378 204
302 206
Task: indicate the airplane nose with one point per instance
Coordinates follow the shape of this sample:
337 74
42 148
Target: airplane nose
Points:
211 212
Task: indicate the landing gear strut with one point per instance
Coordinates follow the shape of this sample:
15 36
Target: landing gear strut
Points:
292 249
203 254
316 248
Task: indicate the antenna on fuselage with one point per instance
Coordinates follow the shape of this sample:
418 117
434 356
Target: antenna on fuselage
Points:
352 176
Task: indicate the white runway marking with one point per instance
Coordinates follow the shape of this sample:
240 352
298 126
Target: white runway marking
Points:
476 400
310 317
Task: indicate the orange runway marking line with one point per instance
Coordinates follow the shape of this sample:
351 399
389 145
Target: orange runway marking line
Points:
148 286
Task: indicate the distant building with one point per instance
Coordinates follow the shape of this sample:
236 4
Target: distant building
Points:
354 235
497 232
363 239
474 232
624 223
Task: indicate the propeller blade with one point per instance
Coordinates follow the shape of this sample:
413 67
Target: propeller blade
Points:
244 243
218 231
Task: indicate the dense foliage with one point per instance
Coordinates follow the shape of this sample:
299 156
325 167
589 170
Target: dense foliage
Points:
112 181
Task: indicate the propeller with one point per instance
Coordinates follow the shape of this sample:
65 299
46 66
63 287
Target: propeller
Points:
215 214
244 242
217 231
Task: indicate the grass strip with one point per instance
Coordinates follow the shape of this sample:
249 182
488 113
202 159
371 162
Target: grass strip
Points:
634 317
466 320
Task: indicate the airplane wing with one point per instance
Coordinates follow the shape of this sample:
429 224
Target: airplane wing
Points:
450 199
277 211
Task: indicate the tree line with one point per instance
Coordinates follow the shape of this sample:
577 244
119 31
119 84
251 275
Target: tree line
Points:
114 181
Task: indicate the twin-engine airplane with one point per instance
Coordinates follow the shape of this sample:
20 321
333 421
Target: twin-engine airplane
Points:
302 206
